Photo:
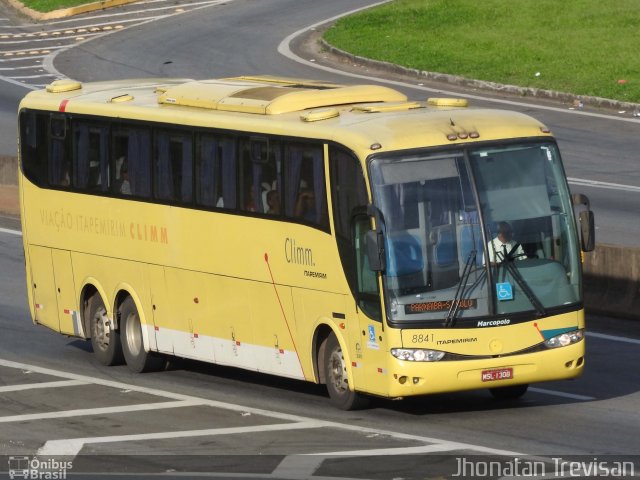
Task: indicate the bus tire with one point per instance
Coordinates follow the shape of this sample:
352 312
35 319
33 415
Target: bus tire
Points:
336 375
509 393
105 340
138 360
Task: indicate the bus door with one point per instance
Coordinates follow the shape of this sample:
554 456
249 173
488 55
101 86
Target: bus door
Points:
68 316
373 346
161 340
43 286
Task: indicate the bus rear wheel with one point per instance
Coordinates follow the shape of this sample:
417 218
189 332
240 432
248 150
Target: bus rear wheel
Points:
138 360
509 393
336 375
105 340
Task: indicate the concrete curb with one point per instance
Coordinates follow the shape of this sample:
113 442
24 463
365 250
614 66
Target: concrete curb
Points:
67 12
481 84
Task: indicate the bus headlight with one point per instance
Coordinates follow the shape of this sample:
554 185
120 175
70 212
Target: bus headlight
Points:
565 339
417 354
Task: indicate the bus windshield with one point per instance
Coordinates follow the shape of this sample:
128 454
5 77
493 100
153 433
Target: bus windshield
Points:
483 232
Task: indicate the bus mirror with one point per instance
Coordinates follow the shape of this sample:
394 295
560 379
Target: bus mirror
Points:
587 231
580 199
374 242
587 223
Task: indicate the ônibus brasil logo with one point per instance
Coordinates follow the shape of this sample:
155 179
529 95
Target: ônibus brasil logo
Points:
35 468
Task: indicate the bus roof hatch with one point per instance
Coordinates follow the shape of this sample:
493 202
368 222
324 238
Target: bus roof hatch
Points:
272 97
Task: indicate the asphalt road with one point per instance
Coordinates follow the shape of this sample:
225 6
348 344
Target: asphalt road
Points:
56 399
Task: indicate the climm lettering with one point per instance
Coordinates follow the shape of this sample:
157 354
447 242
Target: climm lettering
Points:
148 233
297 254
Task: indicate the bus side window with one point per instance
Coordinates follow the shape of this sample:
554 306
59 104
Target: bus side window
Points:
367 280
34 140
216 171
131 161
349 195
260 175
173 167
91 156
305 194
207 159
59 155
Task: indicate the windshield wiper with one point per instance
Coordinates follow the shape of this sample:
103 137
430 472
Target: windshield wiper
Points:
509 264
450 320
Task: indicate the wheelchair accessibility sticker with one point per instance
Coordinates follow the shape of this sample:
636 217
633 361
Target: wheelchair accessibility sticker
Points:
372 339
504 291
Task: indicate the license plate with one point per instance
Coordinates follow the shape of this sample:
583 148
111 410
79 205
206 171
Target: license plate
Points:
497 374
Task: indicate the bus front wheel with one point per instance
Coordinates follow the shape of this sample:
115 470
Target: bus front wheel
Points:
105 340
138 360
336 375
509 393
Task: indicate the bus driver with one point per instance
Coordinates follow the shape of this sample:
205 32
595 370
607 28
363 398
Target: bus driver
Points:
503 246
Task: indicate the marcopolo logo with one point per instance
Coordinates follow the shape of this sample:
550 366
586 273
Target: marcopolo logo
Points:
35 468
494 323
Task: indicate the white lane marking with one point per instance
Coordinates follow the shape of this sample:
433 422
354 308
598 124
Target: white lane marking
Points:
23 67
22 58
150 391
23 54
24 77
285 49
6 230
257 411
53 38
555 393
107 24
442 447
72 446
33 386
298 466
83 412
598 184
305 465
613 338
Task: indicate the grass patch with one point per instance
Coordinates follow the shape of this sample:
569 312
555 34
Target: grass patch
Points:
50 5
585 47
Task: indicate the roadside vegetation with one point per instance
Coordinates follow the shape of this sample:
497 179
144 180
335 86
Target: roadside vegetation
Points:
50 5
586 47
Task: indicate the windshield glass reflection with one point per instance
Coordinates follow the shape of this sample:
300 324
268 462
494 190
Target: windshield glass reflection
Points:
437 211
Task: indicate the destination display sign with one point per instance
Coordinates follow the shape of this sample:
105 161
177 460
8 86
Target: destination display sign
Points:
439 306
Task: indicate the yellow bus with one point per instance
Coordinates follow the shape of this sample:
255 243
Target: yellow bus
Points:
338 234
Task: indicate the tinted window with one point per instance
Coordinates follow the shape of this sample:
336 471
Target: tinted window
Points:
33 146
216 171
131 161
348 191
260 179
91 156
173 166
305 192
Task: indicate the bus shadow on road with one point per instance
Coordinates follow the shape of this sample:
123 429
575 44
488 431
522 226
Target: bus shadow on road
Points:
595 384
